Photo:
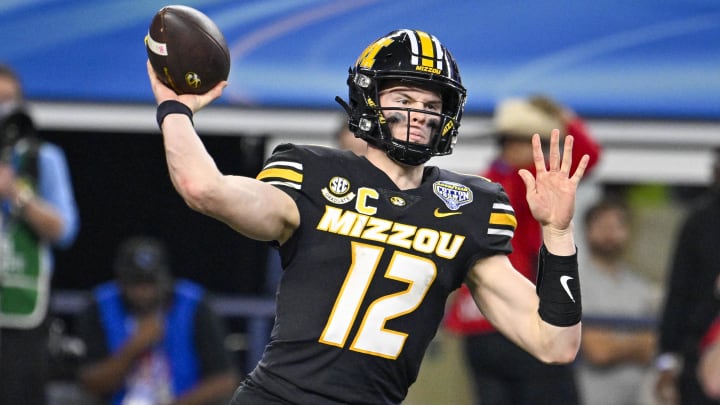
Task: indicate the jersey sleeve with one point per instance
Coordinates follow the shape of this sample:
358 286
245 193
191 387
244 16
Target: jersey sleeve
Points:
501 224
284 169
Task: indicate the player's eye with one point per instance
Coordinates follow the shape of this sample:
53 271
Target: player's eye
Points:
400 99
432 107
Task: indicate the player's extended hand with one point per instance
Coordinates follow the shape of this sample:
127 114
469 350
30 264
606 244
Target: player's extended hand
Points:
194 101
551 193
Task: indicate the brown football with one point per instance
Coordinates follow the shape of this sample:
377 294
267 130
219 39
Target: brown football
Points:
187 50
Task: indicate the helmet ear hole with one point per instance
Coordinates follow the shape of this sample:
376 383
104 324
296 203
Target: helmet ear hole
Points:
365 125
362 81
413 58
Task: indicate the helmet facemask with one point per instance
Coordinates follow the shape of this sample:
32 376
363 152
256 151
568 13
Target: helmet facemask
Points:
395 59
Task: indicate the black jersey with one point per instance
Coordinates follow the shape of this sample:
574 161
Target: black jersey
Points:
367 273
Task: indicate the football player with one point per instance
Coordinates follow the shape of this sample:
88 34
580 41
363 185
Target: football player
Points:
373 245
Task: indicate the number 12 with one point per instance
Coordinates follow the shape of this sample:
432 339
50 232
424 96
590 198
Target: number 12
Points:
372 337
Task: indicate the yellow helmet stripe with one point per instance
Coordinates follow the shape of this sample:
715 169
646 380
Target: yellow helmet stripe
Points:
367 58
426 48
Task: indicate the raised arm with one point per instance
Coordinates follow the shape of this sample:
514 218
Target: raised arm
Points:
251 207
544 320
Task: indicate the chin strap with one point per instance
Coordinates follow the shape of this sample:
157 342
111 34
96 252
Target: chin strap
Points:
352 124
344 105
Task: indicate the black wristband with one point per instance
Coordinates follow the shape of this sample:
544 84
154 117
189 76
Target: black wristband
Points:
558 286
172 107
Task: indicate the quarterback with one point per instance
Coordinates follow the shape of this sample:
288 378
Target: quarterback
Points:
372 246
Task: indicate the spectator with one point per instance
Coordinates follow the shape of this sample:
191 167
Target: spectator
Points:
692 300
616 357
37 212
152 340
503 373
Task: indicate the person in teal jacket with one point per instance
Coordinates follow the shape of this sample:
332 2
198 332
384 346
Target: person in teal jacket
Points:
151 339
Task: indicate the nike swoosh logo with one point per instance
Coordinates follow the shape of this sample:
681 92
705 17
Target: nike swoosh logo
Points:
439 214
563 281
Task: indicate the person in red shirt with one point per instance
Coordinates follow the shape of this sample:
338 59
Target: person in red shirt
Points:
502 372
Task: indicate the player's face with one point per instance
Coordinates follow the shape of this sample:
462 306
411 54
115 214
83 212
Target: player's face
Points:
416 127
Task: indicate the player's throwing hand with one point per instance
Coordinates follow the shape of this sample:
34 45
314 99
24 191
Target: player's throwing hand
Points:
194 101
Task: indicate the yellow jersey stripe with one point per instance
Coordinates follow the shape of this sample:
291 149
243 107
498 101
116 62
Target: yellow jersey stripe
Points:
503 218
286 174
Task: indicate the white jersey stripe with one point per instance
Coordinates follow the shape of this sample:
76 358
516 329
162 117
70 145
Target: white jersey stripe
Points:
505 232
296 186
294 165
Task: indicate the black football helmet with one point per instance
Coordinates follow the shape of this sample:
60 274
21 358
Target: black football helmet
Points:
410 57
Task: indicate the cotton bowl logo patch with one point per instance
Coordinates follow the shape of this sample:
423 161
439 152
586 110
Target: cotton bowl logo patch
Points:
454 195
338 191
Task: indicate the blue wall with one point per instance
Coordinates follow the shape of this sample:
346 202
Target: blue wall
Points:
641 58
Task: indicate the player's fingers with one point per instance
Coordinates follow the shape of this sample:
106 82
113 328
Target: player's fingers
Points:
528 179
554 155
567 154
154 82
216 91
151 71
538 156
580 171
199 101
159 89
